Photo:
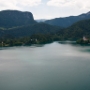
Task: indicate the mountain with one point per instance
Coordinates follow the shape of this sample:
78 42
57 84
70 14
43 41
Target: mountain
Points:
40 20
68 21
27 30
14 18
76 31
22 24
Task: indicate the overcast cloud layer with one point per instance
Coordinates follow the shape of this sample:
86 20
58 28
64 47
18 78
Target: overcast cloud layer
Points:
48 8
81 4
18 4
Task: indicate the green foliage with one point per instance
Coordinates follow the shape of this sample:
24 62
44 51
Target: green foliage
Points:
33 39
76 31
28 30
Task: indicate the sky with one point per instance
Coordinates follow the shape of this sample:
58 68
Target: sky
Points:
48 9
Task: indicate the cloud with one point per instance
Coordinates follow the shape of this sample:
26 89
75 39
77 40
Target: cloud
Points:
18 4
70 3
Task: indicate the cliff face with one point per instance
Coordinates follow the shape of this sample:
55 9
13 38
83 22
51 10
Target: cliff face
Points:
13 18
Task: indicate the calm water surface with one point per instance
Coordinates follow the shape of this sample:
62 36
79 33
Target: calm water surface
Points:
55 66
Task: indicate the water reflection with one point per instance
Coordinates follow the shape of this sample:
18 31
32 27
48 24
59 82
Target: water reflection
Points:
56 66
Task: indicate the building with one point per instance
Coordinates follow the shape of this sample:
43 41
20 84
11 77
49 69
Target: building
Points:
84 38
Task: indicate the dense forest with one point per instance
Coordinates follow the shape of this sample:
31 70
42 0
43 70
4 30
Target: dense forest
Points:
28 30
33 39
77 30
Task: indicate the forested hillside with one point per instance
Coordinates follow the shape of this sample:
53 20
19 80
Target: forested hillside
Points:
68 21
76 31
29 30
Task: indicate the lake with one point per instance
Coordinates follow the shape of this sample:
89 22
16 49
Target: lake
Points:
54 66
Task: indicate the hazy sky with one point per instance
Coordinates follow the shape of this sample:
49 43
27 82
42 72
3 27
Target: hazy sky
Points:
47 9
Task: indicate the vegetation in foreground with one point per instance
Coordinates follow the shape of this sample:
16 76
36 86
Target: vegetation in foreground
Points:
34 39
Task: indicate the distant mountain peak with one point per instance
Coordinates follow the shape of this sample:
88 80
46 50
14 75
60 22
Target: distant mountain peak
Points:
88 13
41 20
68 21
